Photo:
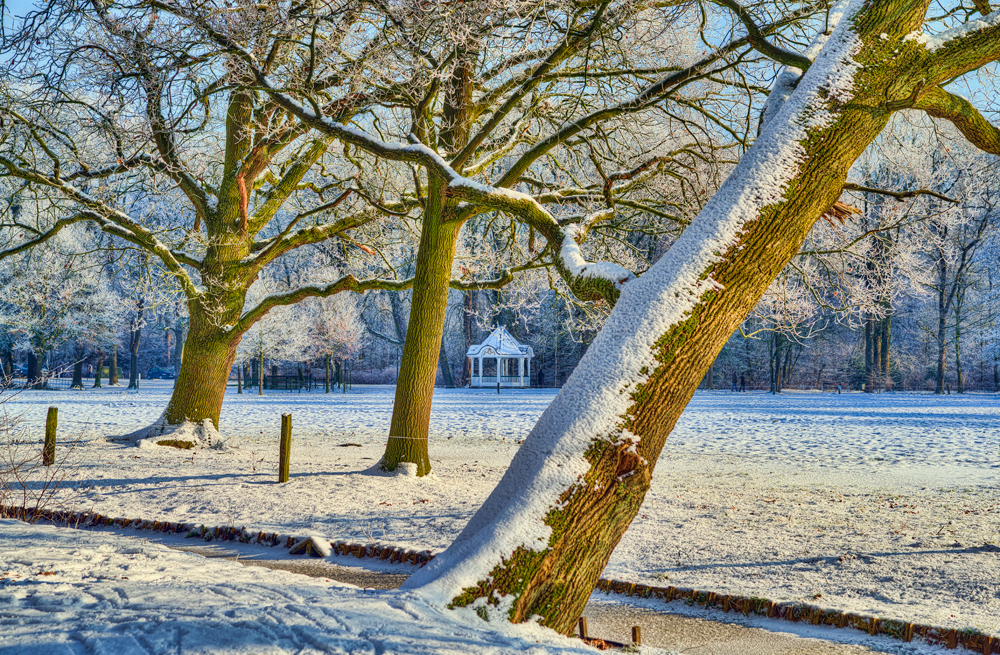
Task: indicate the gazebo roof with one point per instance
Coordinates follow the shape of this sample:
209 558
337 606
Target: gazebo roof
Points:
500 342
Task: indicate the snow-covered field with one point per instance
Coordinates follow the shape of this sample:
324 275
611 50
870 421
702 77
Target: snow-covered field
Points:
883 505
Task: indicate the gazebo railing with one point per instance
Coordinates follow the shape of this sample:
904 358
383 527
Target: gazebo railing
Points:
505 380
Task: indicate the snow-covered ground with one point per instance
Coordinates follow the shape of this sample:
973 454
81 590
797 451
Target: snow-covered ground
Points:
64 592
883 505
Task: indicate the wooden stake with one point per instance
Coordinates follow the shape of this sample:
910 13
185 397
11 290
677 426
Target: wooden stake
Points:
49 450
583 628
636 635
285 451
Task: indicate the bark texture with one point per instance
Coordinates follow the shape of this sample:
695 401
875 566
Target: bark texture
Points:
411 413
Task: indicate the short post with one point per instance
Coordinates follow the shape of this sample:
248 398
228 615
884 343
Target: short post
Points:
498 383
49 449
636 635
583 628
285 452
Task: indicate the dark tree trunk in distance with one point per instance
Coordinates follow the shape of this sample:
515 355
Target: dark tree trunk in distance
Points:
449 380
34 372
77 374
133 351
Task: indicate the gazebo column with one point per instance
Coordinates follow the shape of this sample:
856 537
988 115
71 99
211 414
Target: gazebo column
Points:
520 371
480 371
499 361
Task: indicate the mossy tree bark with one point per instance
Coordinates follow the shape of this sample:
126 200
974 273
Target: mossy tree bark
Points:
411 412
201 383
540 541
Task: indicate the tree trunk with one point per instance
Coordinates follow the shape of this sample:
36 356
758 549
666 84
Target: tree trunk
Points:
468 302
34 372
99 371
179 335
886 333
449 381
941 343
113 372
7 361
959 380
207 361
326 365
774 364
77 374
260 373
399 321
959 301
411 413
133 349
239 379
869 354
538 544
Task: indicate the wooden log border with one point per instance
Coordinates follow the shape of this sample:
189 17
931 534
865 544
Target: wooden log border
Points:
969 639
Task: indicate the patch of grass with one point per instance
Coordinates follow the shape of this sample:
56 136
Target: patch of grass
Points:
176 443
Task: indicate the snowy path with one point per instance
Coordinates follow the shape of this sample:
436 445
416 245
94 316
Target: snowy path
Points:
884 505
66 592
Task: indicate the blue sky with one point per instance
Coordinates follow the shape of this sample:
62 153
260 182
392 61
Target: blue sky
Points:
15 8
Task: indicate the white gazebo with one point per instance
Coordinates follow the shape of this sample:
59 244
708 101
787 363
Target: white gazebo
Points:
513 361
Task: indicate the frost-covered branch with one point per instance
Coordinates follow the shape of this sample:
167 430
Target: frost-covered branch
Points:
42 237
898 195
271 249
759 43
113 221
351 283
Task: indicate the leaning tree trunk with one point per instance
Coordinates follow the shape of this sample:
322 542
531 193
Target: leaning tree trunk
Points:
411 413
538 544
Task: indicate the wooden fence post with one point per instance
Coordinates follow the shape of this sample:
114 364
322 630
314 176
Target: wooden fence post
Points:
583 628
285 453
49 449
636 636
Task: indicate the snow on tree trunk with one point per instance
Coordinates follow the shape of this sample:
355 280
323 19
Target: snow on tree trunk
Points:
538 544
